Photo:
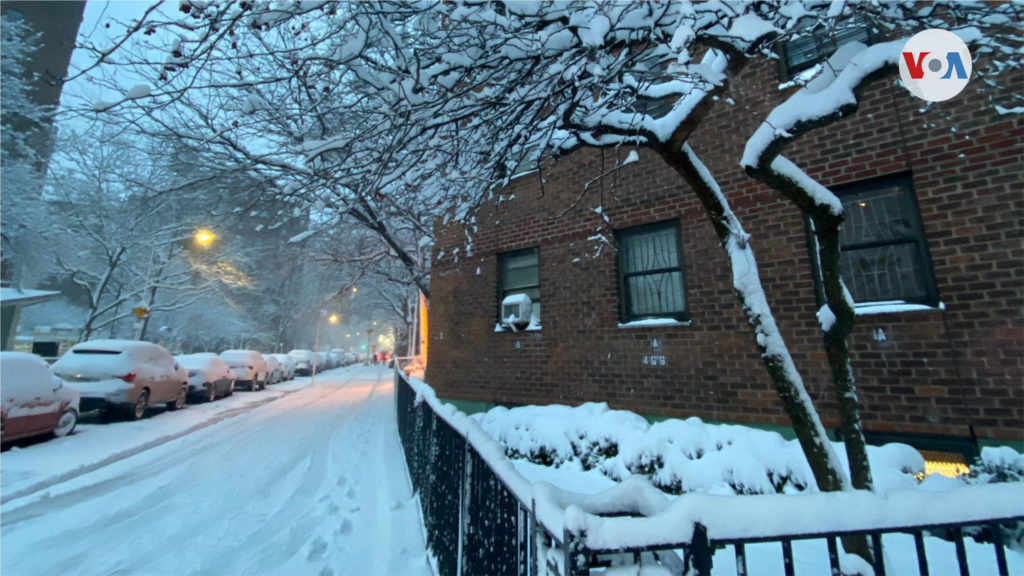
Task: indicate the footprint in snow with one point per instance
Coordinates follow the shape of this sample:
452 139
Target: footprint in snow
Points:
317 550
342 481
333 509
346 527
395 505
355 509
351 493
325 571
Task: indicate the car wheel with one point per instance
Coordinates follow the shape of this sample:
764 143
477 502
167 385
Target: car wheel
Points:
66 424
179 402
138 410
211 394
231 389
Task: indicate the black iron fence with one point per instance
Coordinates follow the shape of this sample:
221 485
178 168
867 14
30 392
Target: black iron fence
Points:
476 524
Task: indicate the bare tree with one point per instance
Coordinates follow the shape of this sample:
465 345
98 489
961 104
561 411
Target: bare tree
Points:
437 104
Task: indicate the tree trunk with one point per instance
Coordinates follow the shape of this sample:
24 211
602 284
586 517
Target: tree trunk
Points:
827 226
777 361
838 351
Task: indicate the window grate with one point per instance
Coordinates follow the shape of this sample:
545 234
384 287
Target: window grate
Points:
885 254
816 45
651 274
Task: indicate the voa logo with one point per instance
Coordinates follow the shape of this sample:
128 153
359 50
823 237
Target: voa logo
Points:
935 65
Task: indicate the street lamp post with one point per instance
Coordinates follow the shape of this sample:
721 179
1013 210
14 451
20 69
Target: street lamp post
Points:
333 319
202 238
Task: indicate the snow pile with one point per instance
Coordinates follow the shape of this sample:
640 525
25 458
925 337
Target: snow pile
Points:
997 464
677 456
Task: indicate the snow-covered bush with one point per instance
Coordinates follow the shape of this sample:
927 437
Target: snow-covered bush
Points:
677 456
997 464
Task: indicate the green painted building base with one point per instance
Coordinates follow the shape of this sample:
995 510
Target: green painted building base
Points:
1017 445
469 406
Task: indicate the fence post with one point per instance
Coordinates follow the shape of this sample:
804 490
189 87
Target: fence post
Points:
700 551
577 557
467 496
534 534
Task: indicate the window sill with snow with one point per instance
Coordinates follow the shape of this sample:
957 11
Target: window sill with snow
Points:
654 323
894 307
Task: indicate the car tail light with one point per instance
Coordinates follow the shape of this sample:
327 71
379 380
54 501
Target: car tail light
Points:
129 377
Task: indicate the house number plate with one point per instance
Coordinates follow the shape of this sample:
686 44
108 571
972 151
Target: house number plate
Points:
652 360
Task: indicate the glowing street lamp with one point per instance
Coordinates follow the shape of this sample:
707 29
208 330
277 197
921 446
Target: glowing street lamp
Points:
333 318
204 237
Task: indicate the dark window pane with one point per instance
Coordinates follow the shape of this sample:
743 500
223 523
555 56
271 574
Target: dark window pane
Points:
655 294
883 273
884 250
817 45
650 264
520 270
654 250
518 273
876 216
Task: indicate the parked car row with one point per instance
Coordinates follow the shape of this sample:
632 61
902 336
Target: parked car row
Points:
306 359
125 378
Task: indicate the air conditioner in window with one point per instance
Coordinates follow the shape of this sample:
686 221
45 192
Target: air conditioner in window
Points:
516 310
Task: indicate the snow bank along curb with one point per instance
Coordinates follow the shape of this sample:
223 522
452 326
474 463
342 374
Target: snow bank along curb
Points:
51 481
670 521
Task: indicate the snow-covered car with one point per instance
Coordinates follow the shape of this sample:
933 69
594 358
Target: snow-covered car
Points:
123 376
209 377
350 359
340 357
35 402
303 361
274 372
324 362
249 367
287 365
336 358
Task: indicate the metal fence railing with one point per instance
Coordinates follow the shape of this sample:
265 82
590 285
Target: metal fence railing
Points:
476 524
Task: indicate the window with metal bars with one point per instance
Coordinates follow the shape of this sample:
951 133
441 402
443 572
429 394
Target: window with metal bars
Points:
885 257
651 272
816 44
519 273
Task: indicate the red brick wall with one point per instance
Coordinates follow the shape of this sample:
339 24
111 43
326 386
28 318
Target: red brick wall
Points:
937 372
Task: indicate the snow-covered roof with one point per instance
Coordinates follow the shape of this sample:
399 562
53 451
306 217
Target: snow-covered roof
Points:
12 296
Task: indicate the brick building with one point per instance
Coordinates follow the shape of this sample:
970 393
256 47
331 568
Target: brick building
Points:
935 219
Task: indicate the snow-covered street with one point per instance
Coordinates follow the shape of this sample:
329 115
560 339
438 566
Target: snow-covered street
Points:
311 483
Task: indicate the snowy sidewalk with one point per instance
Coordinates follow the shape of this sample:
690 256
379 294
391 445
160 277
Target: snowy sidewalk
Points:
313 483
